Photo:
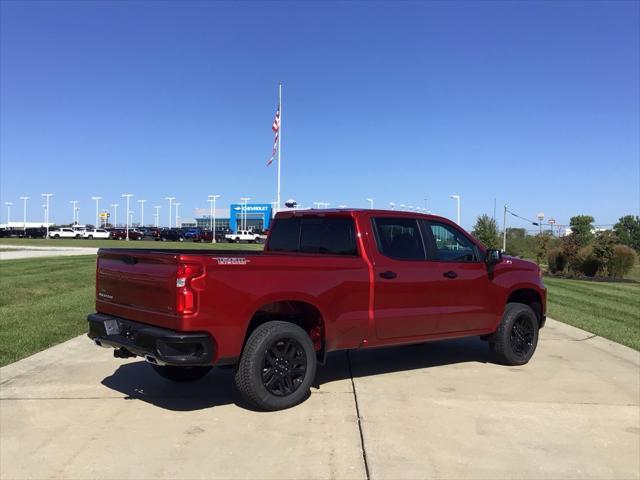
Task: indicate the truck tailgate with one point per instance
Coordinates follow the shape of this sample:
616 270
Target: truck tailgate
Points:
138 285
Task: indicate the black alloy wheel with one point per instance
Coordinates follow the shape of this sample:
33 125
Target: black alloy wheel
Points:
284 367
521 337
277 366
516 338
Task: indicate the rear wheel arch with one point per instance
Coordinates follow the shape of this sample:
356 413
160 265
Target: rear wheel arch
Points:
301 313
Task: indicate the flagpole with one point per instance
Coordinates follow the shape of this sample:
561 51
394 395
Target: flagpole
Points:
279 142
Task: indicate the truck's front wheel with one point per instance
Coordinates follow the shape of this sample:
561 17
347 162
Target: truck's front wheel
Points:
181 374
277 366
516 339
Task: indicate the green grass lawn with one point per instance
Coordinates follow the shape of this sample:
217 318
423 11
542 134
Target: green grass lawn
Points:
43 301
70 242
611 310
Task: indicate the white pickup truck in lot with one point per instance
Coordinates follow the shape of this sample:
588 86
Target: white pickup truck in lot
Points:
245 236
96 233
63 233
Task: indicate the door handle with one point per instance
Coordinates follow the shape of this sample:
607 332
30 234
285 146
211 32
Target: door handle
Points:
450 274
389 275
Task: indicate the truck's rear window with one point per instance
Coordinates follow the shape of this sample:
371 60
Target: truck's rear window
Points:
333 236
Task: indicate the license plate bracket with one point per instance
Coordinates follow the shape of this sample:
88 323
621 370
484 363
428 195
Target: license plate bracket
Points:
112 327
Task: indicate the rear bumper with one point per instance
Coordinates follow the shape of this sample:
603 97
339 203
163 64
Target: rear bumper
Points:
157 345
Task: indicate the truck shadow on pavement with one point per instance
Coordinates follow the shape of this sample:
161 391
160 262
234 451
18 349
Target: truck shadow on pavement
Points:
138 381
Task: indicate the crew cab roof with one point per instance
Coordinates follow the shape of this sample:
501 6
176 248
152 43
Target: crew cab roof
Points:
358 211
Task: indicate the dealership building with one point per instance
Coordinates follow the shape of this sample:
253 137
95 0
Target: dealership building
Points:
256 216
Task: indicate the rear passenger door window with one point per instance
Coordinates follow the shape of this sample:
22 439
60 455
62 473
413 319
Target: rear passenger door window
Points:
451 245
331 236
399 238
334 236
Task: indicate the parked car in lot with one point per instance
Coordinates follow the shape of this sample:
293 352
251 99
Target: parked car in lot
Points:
206 236
63 232
335 280
150 233
96 233
35 232
244 236
171 234
10 233
121 234
192 233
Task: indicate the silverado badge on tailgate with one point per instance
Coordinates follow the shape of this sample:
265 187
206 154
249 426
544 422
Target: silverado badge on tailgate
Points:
231 260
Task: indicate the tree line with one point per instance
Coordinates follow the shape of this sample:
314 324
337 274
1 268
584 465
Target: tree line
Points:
584 252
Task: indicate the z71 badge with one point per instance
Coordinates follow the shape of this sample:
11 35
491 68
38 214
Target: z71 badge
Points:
231 260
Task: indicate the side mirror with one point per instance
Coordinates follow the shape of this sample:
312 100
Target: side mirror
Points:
493 257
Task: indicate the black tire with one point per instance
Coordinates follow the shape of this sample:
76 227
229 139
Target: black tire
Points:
181 374
90 237
516 338
56 236
277 367
237 239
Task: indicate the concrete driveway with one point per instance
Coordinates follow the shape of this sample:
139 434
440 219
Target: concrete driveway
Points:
439 410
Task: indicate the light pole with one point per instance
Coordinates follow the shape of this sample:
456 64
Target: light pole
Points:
128 197
504 230
157 215
97 199
171 199
8 204
47 196
75 206
115 214
244 200
141 202
370 200
457 199
24 212
540 217
212 216
177 205
425 204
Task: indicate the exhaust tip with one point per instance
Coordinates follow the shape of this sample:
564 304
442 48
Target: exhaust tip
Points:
153 360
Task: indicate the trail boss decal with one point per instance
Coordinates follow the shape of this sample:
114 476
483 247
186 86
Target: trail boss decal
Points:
231 260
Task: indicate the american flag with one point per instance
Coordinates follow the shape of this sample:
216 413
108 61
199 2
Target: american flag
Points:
276 129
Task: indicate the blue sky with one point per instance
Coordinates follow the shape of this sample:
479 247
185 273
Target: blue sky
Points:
535 104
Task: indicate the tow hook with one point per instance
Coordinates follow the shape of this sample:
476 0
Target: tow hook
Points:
122 353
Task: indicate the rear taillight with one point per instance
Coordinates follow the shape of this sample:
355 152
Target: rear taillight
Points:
186 295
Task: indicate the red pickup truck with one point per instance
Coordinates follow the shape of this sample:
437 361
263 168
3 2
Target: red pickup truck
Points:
327 280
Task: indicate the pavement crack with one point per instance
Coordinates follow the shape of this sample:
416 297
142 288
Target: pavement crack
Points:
586 338
355 398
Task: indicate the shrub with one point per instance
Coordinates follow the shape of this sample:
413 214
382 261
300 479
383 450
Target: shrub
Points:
603 249
542 245
589 263
557 260
486 230
581 227
622 261
570 248
628 231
